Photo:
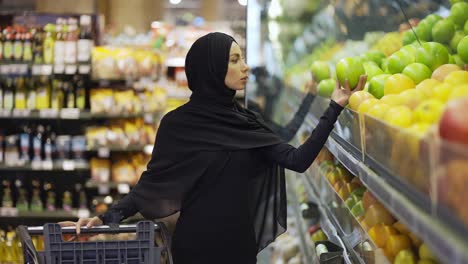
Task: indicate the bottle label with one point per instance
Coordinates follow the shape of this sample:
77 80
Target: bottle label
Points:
48 51
1 99
80 98
48 151
27 53
24 144
84 50
1 50
37 148
59 52
18 50
70 51
42 99
31 101
8 100
20 100
8 50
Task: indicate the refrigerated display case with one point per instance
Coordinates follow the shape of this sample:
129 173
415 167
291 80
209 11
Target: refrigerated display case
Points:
416 175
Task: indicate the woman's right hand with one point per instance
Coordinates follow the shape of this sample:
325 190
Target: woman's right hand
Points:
88 222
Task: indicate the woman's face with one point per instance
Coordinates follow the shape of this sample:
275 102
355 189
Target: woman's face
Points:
238 72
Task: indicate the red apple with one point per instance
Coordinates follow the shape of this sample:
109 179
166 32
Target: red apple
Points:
453 126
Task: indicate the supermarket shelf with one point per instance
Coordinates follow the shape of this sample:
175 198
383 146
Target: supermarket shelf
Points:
446 241
6 213
308 256
104 188
68 165
26 68
104 151
66 114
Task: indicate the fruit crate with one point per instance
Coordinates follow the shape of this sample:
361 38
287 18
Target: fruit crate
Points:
143 249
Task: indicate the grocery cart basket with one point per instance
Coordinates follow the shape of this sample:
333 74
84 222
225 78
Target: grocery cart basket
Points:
152 245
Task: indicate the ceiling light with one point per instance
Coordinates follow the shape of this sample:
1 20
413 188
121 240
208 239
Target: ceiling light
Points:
175 2
242 2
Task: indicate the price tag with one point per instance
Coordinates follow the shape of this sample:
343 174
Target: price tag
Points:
36 165
68 165
84 69
48 113
148 149
47 165
70 113
82 213
59 68
21 112
46 69
5 113
103 152
8 211
36 70
148 117
70 69
123 188
103 188
23 69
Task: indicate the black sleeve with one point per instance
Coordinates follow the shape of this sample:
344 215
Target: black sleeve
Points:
299 159
289 131
123 209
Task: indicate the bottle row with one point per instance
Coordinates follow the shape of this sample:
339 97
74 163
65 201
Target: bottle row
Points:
11 249
39 198
43 92
40 143
61 43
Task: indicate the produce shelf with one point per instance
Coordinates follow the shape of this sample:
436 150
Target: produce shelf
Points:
447 241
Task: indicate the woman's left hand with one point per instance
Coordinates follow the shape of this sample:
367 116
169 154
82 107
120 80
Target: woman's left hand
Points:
341 94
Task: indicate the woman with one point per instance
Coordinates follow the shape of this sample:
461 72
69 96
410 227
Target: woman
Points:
219 165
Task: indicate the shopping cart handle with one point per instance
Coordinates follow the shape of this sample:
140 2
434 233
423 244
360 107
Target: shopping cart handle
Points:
101 229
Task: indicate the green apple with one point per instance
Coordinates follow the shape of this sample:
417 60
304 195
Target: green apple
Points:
408 37
350 202
424 31
375 56
325 87
432 54
418 72
458 61
359 191
465 28
349 69
459 14
358 209
399 60
443 31
462 49
376 85
320 70
432 19
456 39
372 69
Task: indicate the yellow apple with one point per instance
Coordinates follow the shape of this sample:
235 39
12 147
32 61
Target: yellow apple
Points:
378 111
412 97
400 116
429 111
357 98
392 99
427 86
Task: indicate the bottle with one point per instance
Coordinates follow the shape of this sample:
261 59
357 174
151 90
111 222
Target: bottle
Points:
20 94
24 143
59 46
2 84
10 257
50 203
38 45
27 47
37 143
71 41
48 44
22 203
9 94
80 91
18 45
7 200
49 144
57 96
68 94
1 44
36 202
2 148
8 44
85 42
83 200
67 201
31 94
43 93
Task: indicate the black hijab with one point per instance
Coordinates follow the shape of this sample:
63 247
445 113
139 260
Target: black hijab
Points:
197 137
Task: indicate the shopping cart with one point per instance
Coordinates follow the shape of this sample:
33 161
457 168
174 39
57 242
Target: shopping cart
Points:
152 245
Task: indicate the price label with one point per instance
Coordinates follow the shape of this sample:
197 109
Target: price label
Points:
36 70
84 69
82 213
46 69
148 117
47 165
148 149
70 69
5 113
123 188
23 69
68 165
48 113
36 165
59 68
70 113
103 152
21 112
8 211
103 188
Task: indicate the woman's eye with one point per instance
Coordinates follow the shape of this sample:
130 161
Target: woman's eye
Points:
234 61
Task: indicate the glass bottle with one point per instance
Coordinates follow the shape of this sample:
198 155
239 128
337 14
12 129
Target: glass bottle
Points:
50 203
38 45
71 38
7 200
69 95
48 44
31 94
1 44
36 202
22 203
57 97
9 94
67 201
59 45
24 143
27 47
18 45
42 93
20 94
37 143
85 42
49 144
8 43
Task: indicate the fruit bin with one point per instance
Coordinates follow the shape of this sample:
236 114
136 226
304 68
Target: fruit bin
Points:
143 249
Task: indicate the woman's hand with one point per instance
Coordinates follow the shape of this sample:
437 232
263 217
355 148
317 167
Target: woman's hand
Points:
341 94
311 86
88 222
